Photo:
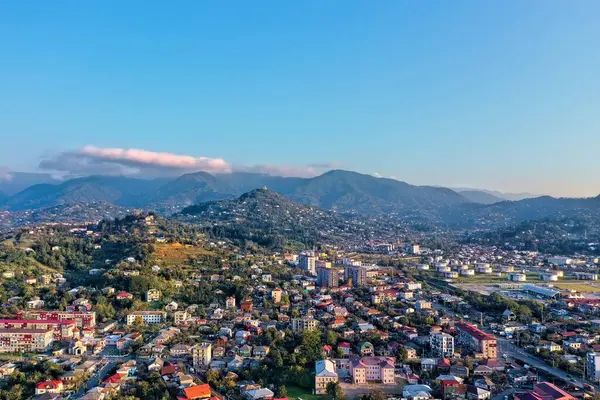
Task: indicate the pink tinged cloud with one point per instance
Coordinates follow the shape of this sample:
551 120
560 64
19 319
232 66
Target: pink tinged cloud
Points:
156 159
118 161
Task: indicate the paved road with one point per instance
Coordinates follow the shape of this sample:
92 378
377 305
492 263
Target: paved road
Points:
506 347
95 379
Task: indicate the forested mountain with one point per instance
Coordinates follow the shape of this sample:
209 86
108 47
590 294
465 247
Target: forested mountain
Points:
120 191
190 189
342 191
268 218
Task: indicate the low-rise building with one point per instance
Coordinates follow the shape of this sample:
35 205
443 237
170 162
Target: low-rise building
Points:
325 373
146 317
373 369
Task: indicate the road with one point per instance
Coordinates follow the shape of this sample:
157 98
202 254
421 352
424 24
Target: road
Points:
95 379
508 348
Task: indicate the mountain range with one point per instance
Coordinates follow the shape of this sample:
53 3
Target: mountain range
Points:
338 190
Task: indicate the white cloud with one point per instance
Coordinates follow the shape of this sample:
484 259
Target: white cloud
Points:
5 175
118 161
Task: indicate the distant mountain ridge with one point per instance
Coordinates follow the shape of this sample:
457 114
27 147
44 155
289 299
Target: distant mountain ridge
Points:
342 191
337 189
481 197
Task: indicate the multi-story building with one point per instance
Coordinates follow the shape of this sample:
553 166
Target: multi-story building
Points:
442 344
62 330
202 354
325 372
421 305
373 369
302 324
276 295
308 262
153 295
356 274
13 340
328 277
384 296
83 319
179 317
322 264
476 339
593 366
517 277
146 317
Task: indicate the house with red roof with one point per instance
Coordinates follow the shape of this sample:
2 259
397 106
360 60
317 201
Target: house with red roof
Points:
197 392
124 296
545 391
345 348
54 386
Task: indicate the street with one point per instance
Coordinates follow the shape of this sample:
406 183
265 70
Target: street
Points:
508 348
95 379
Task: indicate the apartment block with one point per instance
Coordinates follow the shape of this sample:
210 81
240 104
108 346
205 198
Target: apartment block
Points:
202 354
146 317
476 339
13 340
442 344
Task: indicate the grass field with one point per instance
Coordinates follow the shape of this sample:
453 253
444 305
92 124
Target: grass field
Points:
580 287
305 394
176 253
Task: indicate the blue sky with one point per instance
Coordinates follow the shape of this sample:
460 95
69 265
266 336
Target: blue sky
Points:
490 94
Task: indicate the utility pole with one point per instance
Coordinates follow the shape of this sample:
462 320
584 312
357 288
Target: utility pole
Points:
543 314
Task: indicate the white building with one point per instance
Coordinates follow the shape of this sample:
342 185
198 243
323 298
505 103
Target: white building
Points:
517 277
308 262
548 277
202 354
593 366
560 260
325 372
442 344
146 317
301 324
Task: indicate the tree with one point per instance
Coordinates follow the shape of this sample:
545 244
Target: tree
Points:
403 354
312 346
282 391
332 338
375 394
275 355
334 390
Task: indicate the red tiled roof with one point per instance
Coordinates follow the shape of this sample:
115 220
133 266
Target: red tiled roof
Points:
114 379
474 331
547 390
48 385
198 392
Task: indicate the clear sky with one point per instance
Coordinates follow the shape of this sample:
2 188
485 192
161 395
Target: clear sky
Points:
491 94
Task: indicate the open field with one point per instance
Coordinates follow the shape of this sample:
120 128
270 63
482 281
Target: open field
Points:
582 287
305 394
176 253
